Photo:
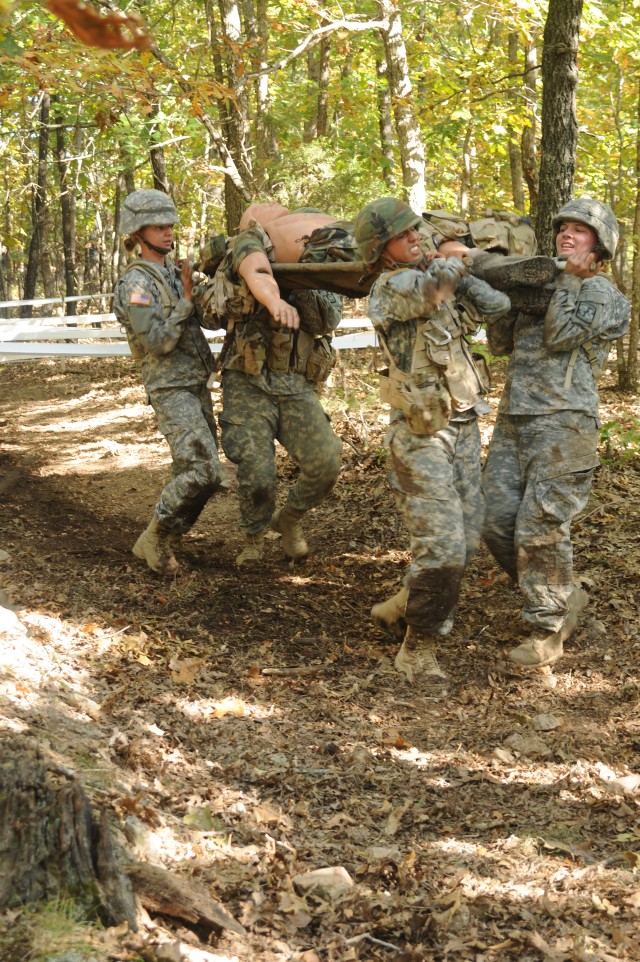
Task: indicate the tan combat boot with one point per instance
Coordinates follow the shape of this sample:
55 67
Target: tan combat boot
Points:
286 521
541 650
253 549
416 656
154 547
389 614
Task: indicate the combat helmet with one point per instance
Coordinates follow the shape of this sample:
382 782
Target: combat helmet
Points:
379 222
144 208
597 215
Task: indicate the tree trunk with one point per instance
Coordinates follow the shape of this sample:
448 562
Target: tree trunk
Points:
233 110
68 208
515 152
628 371
407 128
467 172
266 144
385 126
559 124
51 847
528 140
39 207
158 160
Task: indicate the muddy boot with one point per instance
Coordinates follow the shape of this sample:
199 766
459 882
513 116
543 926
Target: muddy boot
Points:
417 657
541 650
154 547
389 614
253 549
506 273
286 521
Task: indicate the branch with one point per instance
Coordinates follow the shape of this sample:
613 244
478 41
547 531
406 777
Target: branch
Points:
230 167
313 39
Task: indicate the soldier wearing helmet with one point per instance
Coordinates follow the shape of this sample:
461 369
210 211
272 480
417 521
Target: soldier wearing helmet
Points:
276 355
543 451
155 305
434 387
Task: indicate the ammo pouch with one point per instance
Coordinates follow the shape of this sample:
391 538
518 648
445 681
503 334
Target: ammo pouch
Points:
279 349
250 350
426 409
321 361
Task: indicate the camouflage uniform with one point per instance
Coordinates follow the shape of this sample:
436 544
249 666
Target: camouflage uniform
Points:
269 390
543 452
436 479
175 363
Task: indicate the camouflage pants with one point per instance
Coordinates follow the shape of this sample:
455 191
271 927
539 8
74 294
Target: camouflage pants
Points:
250 423
185 418
436 482
537 478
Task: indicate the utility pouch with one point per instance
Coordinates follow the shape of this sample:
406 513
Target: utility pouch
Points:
279 350
426 409
251 350
430 409
481 366
321 361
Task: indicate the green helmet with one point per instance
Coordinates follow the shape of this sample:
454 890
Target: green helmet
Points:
143 208
379 222
597 215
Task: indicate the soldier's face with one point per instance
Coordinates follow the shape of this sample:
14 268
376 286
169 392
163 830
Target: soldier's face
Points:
575 238
161 235
405 248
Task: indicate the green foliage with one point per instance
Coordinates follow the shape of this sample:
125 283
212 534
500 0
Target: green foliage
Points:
620 441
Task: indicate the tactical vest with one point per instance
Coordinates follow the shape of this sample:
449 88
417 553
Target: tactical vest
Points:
252 343
444 377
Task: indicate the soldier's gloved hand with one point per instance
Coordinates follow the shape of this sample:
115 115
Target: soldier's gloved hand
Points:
486 299
441 279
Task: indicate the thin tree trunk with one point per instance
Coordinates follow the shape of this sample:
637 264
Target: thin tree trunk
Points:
467 171
157 156
515 154
385 126
39 206
407 127
233 111
323 88
528 140
266 144
628 376
559 123
68 209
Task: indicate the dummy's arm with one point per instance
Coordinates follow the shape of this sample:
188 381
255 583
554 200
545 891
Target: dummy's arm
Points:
255 269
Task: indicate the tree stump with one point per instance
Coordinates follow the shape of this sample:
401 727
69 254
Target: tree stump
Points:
51 846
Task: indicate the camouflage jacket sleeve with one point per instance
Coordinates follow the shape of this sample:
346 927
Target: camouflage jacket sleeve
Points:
138 304
408 293
253 238
584 310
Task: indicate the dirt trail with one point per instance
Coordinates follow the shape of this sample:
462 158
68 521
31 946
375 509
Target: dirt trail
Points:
491 825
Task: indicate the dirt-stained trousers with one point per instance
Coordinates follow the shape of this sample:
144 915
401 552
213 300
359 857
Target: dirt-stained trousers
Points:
537 478
185 418
436 483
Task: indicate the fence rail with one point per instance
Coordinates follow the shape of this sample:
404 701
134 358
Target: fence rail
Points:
101 335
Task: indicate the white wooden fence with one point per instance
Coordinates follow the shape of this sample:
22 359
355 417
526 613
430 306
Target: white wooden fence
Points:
101 335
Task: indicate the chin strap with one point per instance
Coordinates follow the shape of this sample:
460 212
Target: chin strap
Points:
159 250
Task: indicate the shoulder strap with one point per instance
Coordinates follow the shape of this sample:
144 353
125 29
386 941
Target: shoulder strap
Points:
593 361
169 299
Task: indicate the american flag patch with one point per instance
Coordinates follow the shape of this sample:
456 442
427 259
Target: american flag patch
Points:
139 297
